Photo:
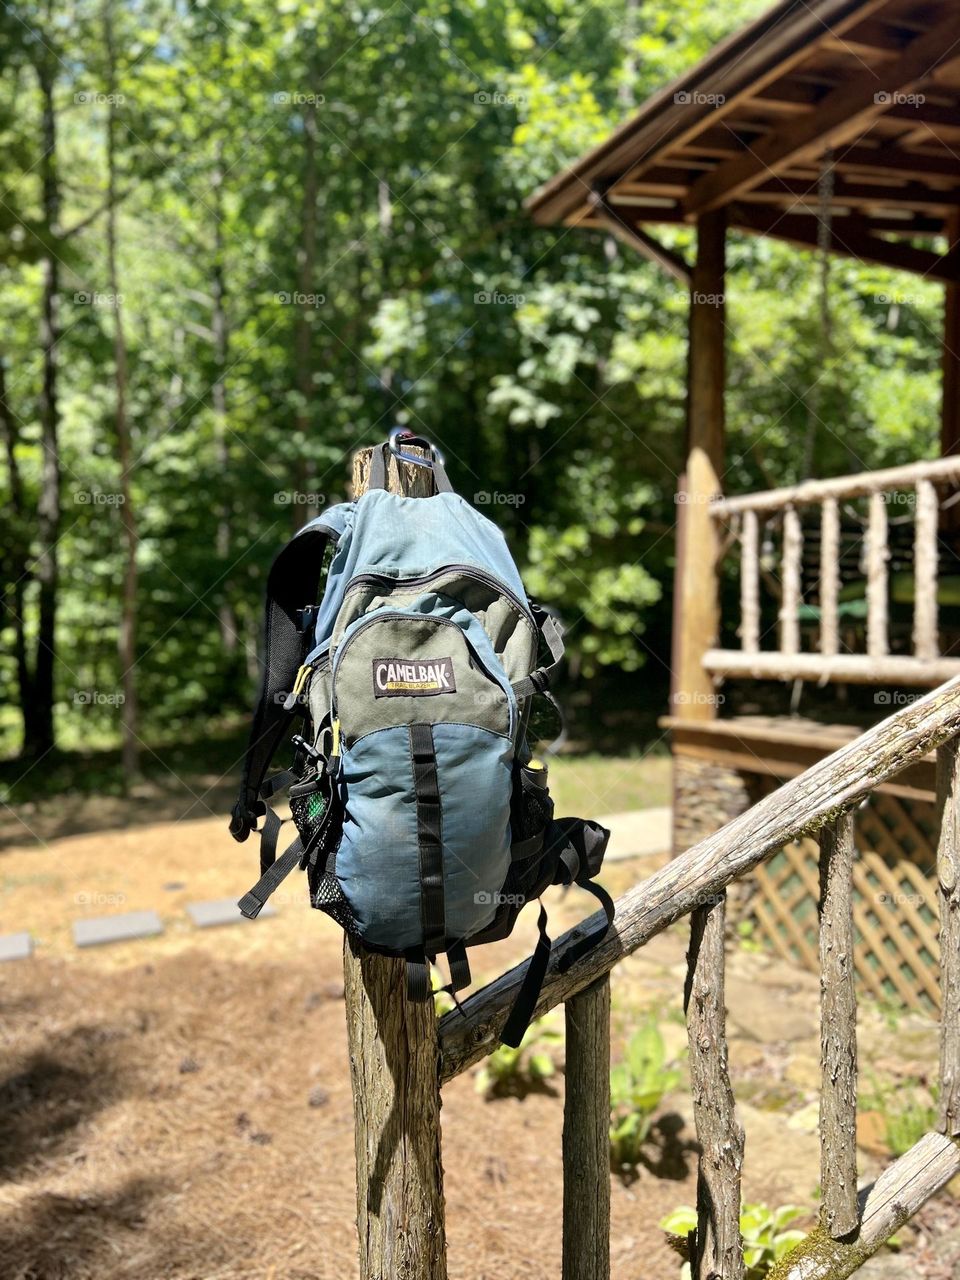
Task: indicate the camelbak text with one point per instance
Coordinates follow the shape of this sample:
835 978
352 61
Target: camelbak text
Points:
397 677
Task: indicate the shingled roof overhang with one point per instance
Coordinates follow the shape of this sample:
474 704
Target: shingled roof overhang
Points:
873 84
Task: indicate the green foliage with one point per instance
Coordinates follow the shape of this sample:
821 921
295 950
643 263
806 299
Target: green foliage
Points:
767 1236
509 1072
406 285
909 1110
638 1085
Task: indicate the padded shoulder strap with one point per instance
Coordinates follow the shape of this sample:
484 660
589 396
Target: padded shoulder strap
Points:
293 584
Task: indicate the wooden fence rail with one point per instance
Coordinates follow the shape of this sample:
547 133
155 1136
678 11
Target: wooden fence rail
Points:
400 1056
781 511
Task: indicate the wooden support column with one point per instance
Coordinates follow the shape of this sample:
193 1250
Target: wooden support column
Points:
950 405
586 1135
394 1069
697 587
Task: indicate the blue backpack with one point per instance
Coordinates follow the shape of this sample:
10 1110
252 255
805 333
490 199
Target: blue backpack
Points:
424 823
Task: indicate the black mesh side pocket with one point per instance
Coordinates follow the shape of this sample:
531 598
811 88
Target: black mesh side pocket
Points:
326 895
531 810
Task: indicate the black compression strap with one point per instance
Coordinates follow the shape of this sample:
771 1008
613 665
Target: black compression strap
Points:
551 632
429 837
268 840
251 903
418 979
459 966
580 949
279 782
529 993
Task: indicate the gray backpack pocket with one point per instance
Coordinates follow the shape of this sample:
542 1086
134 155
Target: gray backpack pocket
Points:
426 725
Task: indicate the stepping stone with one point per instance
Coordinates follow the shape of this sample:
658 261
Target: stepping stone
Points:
101 929
208 915
15 946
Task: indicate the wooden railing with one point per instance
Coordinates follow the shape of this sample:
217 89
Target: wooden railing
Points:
852 1226
749 517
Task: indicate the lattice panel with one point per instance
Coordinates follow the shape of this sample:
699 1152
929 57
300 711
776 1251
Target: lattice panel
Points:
895 902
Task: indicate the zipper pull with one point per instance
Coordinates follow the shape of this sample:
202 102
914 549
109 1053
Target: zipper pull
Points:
293 696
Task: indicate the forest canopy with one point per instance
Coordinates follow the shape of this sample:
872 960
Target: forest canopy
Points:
240 240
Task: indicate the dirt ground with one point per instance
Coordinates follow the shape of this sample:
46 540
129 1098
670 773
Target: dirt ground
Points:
179 1108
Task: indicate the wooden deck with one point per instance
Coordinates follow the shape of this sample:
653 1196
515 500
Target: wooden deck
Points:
782 747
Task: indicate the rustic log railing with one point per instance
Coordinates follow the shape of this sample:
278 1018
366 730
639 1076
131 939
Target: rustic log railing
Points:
401 1054
852 1226
751 514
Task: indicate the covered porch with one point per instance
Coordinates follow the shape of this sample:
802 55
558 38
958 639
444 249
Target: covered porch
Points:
834 126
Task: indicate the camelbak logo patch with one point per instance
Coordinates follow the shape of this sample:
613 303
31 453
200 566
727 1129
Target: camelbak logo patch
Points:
395 678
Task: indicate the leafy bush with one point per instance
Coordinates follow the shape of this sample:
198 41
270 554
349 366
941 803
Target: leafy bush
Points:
638 1085
514 1072
766 1238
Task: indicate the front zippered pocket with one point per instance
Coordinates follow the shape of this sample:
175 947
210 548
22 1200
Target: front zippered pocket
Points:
400 666
446 571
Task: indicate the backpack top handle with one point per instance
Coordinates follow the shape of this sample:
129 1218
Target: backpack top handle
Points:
400 440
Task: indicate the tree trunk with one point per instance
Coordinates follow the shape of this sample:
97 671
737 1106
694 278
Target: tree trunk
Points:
302 314
38 712
127 643
221 355
19 552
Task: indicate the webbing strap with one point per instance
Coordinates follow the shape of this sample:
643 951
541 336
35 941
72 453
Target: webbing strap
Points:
580 949
459 966
278 782
429 840
552 633
251 904
418 979
377 477
269 836
529 993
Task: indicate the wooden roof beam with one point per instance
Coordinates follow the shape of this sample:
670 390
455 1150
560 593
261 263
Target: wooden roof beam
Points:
843 113
803 230
645 244
857 194
904 163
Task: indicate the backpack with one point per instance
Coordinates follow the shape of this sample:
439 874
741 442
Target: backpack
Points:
424 822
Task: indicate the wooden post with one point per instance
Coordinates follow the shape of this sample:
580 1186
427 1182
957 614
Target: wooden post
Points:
394 1069
925 572
750 583
877 556
839 1213
586 1135
950 404
829 577
948 875
718 1253
790 584
697 584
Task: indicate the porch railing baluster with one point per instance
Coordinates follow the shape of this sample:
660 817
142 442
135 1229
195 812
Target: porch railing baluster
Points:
925 568
586 1135
877 555
839 1213
718 1246
750 583
948 875
790 582
829 577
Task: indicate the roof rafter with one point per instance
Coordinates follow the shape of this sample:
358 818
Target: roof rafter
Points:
841 114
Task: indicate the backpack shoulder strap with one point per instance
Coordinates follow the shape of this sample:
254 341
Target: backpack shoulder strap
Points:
293 585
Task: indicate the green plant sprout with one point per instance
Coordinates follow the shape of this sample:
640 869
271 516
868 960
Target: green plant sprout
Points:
638 1085
511 1072
766 1237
